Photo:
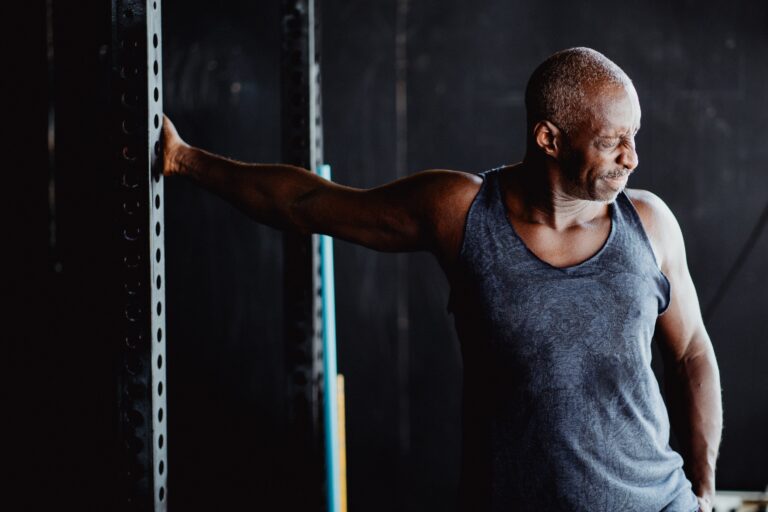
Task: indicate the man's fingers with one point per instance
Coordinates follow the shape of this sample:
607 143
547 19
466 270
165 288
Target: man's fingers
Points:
171 144
704 504
168 127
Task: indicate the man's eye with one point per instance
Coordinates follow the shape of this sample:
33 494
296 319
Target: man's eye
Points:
607 143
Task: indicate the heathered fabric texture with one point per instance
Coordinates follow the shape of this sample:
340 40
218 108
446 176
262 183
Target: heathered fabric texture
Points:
562 411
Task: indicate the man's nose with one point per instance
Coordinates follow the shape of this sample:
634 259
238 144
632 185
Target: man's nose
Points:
628 158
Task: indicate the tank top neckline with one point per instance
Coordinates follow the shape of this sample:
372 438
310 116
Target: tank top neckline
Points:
577 266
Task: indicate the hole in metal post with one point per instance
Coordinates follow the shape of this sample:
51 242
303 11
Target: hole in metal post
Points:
129 72
130 180
129 99
130 207
131 233
129 154
133 340
132 287
128 126
132 312
132 260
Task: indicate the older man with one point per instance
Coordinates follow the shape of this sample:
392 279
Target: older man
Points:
559 277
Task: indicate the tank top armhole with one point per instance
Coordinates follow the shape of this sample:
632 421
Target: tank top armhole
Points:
469 216
664 281
464 231
667 293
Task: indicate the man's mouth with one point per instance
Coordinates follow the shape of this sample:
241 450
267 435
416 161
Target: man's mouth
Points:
617 180
617 175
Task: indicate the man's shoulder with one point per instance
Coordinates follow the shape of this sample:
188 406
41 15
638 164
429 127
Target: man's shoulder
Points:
659 222
452 182
447 197
653 211
447 192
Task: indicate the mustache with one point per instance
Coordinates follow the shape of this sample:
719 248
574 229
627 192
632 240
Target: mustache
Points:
617 173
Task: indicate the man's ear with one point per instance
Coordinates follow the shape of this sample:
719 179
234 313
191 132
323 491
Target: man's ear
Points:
548 137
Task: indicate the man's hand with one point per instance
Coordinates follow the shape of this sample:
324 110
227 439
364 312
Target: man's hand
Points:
705 504
172 146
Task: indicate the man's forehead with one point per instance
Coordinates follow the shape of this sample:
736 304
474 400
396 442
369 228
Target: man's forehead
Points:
615 108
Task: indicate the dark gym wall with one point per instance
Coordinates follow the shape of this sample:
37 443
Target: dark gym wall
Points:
700 71
222 84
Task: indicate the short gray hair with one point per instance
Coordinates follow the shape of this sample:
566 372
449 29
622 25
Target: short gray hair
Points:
557 90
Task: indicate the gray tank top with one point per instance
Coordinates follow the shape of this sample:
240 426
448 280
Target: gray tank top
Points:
561 409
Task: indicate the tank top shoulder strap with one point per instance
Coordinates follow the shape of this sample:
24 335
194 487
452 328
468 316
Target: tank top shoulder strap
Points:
482 210
631 229
633 240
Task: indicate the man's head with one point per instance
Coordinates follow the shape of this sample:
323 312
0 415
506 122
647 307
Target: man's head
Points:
583 114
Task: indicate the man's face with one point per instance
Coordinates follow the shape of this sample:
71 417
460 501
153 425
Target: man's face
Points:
600 152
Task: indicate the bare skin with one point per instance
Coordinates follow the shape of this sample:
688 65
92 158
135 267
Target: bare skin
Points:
557 200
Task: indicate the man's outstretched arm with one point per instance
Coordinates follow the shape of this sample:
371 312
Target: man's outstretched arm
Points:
692 377
424 211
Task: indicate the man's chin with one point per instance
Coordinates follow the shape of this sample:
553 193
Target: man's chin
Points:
600 191
608 189
617 183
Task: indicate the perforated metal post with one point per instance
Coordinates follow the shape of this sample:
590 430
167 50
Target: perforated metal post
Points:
302 146
137 109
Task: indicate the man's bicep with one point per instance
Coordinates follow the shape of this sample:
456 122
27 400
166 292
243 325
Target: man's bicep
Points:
382 218
680 330
403 215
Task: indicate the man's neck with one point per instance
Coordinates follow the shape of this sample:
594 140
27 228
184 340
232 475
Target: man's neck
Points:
536 193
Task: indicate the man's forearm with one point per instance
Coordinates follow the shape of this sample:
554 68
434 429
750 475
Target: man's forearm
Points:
699 418
267 192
